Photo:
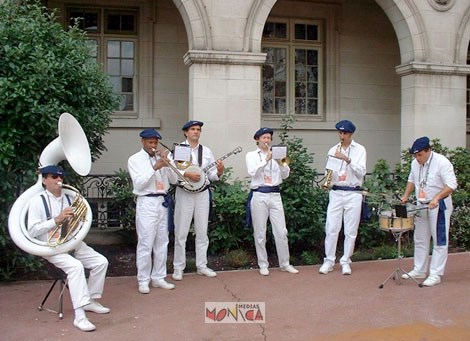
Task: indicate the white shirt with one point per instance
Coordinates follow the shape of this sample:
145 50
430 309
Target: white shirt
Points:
351 175
38 224
434 175
145 178
261 170
207 159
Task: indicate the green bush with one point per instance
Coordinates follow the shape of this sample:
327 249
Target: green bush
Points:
227 229
44 71
238 259
304 202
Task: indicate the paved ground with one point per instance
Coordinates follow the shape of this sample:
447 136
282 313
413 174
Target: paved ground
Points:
307 306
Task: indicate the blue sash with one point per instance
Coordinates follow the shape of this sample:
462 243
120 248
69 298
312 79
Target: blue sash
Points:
441 224
262 189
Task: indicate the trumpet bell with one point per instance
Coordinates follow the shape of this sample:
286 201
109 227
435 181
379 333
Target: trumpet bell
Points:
182 165
286 161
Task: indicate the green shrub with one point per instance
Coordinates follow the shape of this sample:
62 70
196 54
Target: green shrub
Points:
238 259
310 258
227 229
304 202
44 71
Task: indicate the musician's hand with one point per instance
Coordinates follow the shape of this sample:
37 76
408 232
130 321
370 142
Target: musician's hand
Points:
67 212
433 203
341 156
220 168
269 156
403 199
193 176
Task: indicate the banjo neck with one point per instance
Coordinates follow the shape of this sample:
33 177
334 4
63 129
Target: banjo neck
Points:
235 151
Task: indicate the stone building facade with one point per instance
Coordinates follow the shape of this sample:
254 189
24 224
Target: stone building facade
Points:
396 68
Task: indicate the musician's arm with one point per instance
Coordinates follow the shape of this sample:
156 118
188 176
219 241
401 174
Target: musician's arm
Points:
37 221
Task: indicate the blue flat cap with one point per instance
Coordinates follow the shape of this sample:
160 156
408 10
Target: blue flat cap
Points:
150 133
52 169
191 123
419 145
263 131
345 126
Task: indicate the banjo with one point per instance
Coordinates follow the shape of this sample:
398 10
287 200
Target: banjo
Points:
198 186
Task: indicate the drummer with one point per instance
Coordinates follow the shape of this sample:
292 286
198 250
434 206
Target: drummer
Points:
432 178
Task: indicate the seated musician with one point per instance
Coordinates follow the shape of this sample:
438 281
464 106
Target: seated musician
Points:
50 209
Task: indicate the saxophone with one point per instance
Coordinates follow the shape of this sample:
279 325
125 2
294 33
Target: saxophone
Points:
328 183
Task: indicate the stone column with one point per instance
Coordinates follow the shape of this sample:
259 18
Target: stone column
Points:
433 103
224 93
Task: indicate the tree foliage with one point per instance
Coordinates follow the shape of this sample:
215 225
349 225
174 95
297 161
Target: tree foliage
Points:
44 71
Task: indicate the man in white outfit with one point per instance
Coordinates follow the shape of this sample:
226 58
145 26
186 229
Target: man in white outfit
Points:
49 210
432 178
151 178
265 201
194 205
345 197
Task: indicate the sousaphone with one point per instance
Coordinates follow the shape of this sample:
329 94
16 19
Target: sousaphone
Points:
71 145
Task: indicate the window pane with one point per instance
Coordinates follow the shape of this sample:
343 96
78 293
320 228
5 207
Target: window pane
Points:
280 106
113 49
127 67
127 84
114 67
127 48
269 30
275 30
274 80
312 32
127 23
300 106
113 22
300 31
312 107
312 73
312 57
127 102
281 30
116 82
306 78
87 19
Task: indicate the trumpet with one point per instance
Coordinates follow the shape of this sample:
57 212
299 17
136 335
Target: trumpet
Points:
328 183
173 168
285 161
69 225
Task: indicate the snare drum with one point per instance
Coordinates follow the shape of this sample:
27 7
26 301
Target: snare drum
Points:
387 222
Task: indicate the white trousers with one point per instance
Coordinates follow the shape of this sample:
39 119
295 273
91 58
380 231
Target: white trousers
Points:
84 257
344 206
425 229
264 206
152 239
187 207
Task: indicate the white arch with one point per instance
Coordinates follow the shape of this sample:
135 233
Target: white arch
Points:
196 22
409 28
463 38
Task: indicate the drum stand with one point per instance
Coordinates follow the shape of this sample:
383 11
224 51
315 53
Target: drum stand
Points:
396 274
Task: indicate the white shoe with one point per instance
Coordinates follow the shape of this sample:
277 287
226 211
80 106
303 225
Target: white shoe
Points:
206 272
144 288
432 280
346 269
177 275
325 268
264 271
163 284
290 269
96 308
413 274
84 325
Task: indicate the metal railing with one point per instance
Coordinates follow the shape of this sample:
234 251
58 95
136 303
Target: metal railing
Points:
96 190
